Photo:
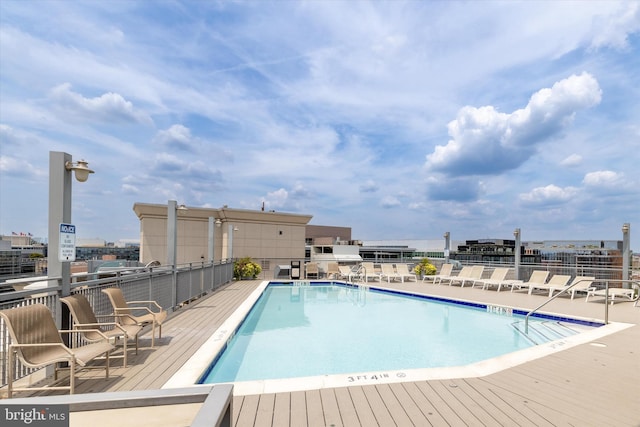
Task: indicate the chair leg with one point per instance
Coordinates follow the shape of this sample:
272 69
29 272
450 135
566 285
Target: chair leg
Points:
107 362
72 375
125 338
10 367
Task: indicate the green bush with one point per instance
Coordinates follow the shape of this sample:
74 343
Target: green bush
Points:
246 268
425 268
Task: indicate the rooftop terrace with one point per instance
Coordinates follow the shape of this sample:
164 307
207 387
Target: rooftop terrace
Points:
596 383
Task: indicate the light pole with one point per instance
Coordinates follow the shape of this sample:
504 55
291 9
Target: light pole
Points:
172 231
516 254
61 166
626 253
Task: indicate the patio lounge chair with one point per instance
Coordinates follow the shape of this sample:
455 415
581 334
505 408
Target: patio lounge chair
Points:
582 284
403 271
369 271
333 270
389 272
445 271
124 312
311 269
85 320
464 272
498 278
613 294
347 273
474 274
557 281
536 278
37 342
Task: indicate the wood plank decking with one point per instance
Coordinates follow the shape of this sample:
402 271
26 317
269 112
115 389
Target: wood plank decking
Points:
585 385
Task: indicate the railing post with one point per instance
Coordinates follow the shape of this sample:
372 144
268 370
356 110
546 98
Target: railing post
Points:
174 287
606 302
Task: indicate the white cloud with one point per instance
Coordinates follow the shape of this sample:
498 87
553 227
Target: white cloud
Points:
572 160
486 142
604 179
276 199
390 202
614 29
109 107
369 186
177 137
549 195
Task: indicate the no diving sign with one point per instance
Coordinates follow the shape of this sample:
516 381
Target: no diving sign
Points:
67 250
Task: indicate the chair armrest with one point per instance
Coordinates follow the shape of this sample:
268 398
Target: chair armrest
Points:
114 324
44 344
82 331
146 302
147 309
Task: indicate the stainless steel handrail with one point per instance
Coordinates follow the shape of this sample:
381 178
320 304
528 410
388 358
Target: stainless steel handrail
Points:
562 291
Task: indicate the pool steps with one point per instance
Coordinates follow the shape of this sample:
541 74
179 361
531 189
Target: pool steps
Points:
546 331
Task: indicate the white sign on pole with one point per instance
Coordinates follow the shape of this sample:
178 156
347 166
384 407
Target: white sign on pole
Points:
67 249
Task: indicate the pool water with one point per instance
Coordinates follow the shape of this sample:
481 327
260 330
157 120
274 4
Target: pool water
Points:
299 331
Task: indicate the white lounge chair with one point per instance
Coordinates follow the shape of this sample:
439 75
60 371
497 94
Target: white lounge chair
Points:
445 271
311 269
557 281
537 277
403 271
333 270
465 272
389 272
476 273
613 294
348 273
498 278
369 271
582 284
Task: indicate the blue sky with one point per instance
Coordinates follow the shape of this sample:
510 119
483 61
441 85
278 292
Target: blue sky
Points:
401 120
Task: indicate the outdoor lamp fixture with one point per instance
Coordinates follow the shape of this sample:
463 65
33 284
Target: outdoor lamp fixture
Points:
625 227
516 232
81 168
218 222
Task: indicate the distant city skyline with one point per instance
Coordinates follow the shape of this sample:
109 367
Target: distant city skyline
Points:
399 119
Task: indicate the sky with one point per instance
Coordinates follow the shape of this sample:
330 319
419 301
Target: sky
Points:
399 119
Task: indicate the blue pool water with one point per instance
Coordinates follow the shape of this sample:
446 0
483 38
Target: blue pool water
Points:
296 331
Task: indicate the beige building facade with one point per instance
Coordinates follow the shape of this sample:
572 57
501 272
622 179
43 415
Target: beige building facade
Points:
270 238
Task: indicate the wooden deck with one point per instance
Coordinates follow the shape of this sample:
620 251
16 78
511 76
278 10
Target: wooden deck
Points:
586 385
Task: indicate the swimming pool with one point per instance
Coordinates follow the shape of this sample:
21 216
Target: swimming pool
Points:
201 362
331 328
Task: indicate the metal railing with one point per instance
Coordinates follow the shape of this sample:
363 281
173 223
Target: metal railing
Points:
632 283
170 287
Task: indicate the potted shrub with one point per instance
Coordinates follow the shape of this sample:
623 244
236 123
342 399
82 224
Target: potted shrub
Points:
424 268
246 268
